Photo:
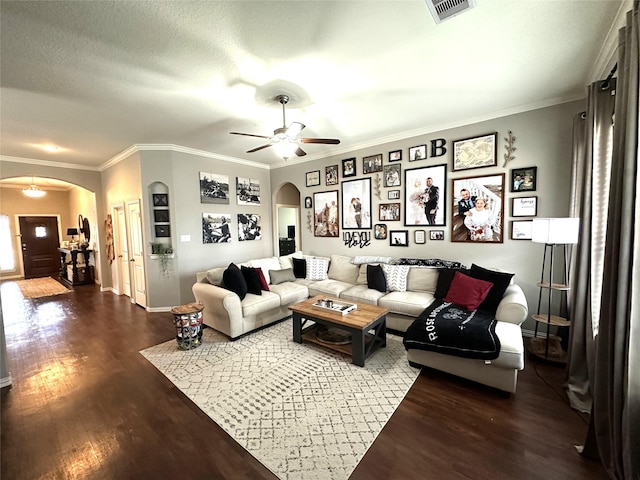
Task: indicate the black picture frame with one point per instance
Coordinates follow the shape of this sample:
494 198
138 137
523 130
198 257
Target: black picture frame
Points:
331 175
372 164
392 175
356 204
326 222
395 156
436 235
162 231
419 237
521 229
380 231
349 167
161 216
524 206
389 212
418 193
160 199
393 195
308 203
518 179
419 152
399 238
313 178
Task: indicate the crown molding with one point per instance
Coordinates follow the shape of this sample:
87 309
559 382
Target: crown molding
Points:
46 163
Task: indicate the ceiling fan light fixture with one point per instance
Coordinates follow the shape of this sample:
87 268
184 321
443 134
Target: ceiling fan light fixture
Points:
285 147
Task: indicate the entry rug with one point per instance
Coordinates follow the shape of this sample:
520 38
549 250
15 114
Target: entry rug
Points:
303 411
41 287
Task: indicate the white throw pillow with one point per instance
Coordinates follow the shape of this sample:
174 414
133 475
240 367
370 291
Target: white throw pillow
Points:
317 269
396 276
360 259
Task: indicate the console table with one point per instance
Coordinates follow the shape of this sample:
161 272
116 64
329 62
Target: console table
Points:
72 272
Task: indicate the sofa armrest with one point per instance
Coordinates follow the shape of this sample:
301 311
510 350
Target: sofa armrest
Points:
513 306
222 308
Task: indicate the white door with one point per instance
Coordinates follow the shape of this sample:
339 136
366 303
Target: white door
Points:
122 252
136 253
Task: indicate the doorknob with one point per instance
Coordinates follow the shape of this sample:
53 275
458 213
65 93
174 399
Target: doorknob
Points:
132 260
119 256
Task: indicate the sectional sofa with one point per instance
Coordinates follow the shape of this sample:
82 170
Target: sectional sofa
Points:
346 278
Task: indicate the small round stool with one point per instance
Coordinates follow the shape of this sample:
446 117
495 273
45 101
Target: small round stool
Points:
188 322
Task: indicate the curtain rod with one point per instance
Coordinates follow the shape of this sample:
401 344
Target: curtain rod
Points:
607 81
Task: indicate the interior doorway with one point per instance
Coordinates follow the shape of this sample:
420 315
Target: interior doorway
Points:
39 240
288 226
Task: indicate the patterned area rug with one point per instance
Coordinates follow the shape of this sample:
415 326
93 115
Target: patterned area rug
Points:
41 287
303 411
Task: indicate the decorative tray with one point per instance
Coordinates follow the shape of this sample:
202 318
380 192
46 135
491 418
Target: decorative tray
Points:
336 307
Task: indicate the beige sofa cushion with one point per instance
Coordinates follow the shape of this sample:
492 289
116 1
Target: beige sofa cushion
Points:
363 294
422 279
214 275
257 304
328 287
266 264
290 292
362 275
342 269
406 303
285 260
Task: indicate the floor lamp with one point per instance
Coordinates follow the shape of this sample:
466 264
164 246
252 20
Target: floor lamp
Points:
553 232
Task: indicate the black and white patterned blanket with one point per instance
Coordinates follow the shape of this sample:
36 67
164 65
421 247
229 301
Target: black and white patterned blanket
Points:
429 262
446 328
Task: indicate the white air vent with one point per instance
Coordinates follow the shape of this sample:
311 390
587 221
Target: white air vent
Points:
442 10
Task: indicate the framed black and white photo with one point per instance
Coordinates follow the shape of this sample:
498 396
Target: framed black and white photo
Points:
307 202
393 195
216 228
521 229
417 153
395 156
524 206
419 237
249 227
475 152
478 212
326 215
162 230
356 204
389 212
436 235
161 216
160 200
349 167
392 175
313 178
248 191
425 192
331 175
399 238
524 179
372 164
380 231
214 188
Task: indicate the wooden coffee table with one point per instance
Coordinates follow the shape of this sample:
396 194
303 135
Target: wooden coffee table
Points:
367 326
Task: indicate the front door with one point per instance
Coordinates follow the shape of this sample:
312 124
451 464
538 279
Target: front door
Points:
40 242
137 253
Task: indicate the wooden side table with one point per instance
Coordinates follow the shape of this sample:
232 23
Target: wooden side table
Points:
188 322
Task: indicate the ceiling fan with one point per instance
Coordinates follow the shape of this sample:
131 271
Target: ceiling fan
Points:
284 138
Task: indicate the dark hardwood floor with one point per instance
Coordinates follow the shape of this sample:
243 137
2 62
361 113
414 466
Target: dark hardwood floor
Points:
86 405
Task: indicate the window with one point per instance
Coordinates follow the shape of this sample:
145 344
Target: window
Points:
6 245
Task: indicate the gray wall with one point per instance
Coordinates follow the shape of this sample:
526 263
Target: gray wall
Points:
543 139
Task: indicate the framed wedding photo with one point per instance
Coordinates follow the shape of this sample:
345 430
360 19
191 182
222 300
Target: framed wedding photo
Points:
419 237
395 156
392 175
399 238
326 214
524 206
356 204
417 153
475 152
313 178
524 179
425 193
331 175
521 229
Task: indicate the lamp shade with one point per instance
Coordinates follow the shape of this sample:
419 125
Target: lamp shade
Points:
557 231
72 231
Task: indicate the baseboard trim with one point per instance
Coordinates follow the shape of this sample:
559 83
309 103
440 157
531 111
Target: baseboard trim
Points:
6 381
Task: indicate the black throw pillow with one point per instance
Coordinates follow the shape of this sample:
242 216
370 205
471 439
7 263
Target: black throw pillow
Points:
299 267
253 280
376 279
500 280
445 277
234 280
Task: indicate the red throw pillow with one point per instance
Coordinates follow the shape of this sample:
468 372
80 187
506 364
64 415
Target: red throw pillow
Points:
263 281
467 292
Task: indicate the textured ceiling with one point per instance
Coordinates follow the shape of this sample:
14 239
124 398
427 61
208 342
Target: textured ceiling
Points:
96 77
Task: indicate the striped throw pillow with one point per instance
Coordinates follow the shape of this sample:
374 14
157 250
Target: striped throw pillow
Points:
396 276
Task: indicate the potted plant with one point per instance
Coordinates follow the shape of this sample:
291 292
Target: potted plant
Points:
163 252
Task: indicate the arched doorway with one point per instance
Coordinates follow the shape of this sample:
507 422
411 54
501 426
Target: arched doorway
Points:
287 224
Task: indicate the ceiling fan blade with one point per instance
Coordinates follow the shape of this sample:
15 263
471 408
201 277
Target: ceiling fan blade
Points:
294 129
258 148
328 141
249 135
299 152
